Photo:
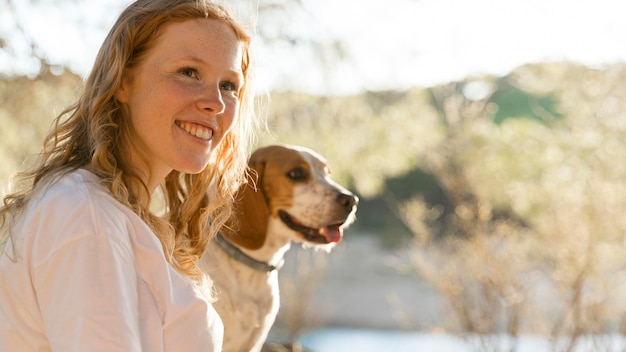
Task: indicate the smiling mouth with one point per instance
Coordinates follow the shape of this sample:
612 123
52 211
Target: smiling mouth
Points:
196 130
331 233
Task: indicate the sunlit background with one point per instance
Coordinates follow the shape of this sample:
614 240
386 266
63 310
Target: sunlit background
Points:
484 138
363 44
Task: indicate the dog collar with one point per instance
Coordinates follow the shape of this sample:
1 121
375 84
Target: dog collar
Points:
242 257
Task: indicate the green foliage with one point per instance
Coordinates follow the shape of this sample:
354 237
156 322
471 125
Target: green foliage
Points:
538 206
516 103
416 181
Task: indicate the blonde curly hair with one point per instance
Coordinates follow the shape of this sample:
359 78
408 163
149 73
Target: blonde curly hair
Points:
90 133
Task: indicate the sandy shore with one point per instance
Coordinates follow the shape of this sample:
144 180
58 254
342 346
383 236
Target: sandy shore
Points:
361 284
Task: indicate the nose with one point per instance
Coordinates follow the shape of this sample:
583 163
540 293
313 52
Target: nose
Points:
211 101
347 200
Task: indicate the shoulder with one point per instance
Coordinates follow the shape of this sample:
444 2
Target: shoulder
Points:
79 185
78 197
73 207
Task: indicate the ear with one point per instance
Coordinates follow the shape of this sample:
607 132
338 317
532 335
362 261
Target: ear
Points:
247 226
122 93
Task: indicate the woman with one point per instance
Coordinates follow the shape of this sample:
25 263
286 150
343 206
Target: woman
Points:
85 263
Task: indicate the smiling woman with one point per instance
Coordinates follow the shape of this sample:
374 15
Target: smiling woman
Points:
84 262
182 99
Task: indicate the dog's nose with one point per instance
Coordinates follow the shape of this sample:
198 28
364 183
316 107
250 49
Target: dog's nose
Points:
348 201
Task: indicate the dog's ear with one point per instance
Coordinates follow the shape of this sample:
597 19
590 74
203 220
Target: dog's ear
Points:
248 224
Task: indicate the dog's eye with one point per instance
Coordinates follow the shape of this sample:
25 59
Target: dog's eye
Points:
297 174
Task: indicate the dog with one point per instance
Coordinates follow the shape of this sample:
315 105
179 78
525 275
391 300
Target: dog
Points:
289 197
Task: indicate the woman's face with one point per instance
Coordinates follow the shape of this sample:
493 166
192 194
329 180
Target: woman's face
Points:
182 98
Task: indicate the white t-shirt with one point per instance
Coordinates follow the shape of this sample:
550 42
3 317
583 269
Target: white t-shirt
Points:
82 272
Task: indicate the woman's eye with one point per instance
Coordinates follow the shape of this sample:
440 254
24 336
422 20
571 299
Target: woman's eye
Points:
189 72
229 86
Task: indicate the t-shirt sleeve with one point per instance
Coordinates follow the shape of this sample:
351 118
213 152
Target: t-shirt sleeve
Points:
87 293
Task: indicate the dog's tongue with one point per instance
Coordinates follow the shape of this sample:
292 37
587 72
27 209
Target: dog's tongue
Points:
332 233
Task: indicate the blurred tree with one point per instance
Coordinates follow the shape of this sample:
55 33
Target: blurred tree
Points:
277 24
563 177
27 108
15 43
514 102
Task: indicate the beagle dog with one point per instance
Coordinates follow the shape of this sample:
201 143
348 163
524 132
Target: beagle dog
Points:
290 197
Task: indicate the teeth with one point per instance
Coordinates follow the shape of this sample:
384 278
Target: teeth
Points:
196 130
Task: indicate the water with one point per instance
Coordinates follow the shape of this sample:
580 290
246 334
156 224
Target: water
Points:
363 340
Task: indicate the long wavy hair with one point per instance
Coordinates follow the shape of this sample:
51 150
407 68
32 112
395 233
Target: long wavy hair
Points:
92 132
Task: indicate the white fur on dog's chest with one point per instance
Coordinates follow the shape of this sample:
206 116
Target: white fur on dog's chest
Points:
248 299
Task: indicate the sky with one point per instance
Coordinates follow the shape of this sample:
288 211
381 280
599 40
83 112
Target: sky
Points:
392 44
